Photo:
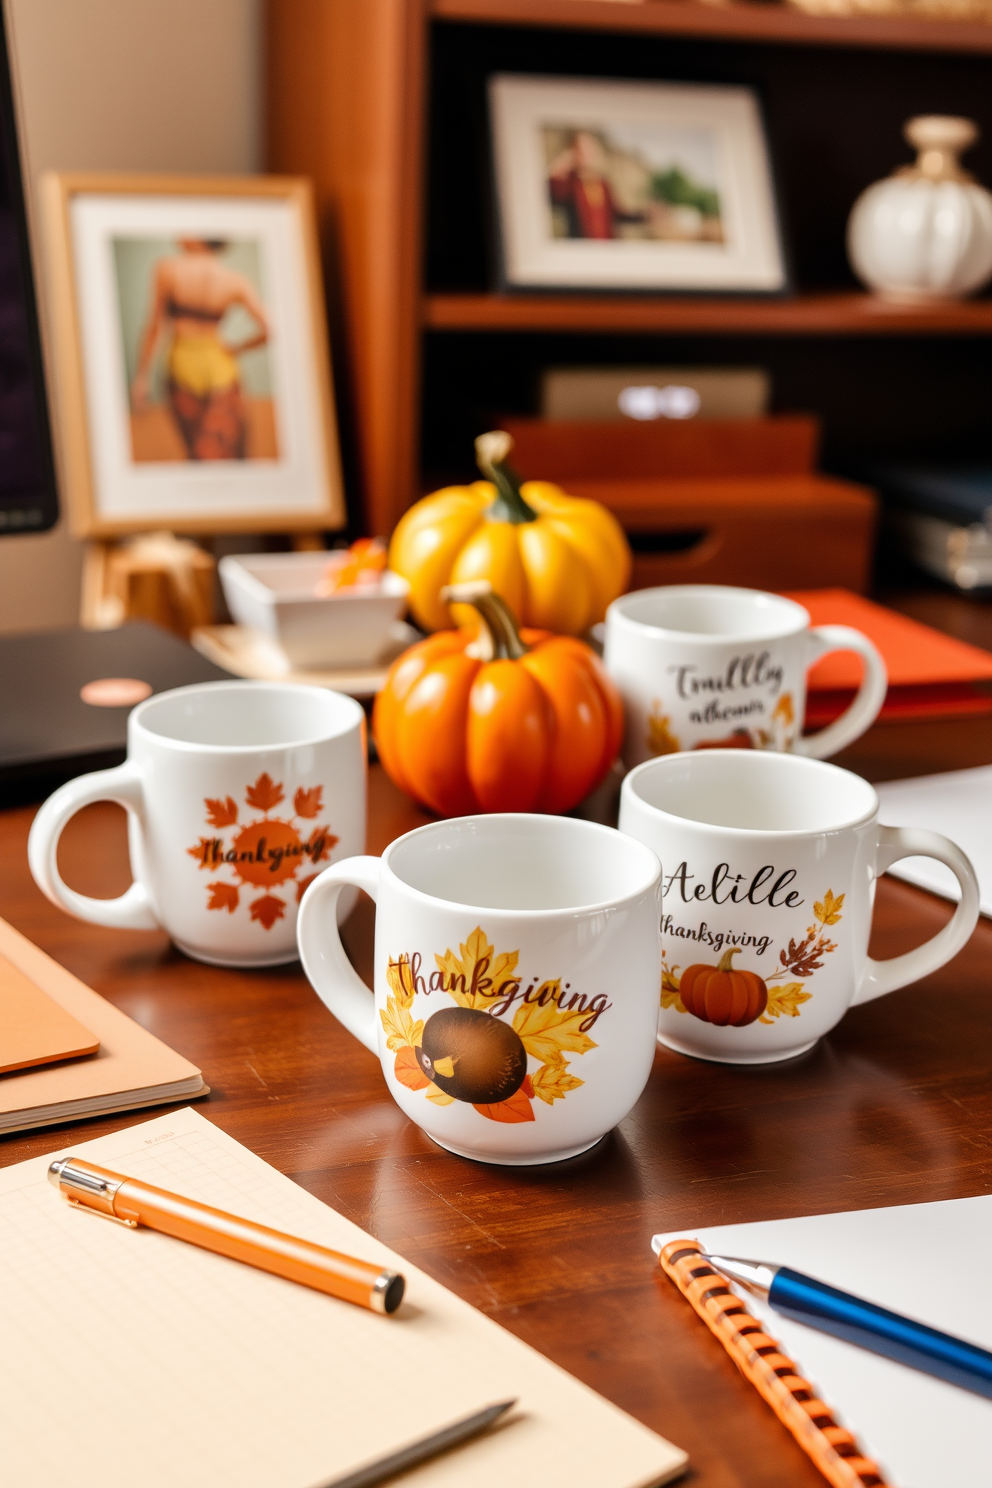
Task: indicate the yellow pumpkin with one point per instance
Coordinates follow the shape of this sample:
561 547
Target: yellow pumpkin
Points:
557 560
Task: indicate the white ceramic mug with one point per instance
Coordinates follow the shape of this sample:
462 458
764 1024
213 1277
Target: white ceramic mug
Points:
769 866
238 794
516 974
704 666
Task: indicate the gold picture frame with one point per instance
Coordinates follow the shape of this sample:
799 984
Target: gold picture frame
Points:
163 421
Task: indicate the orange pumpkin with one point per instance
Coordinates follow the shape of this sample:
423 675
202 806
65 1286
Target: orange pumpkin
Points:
499 720
722 994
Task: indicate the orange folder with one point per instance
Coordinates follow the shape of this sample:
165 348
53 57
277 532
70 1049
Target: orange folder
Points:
931 675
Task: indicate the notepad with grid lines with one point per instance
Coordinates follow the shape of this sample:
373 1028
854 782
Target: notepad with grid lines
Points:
131 1357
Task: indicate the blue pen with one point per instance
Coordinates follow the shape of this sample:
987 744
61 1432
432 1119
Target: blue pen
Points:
870 1327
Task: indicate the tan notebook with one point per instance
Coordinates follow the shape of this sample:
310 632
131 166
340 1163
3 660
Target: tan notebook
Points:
190 1368
34 1029
131 1067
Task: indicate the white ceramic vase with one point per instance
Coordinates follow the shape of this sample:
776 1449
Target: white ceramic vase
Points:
925 233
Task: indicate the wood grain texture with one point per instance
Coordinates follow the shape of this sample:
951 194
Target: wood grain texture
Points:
345 108
839 314
893 1107
742 22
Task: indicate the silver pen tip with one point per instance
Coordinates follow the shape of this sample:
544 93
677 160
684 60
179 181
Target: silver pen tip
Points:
55 1171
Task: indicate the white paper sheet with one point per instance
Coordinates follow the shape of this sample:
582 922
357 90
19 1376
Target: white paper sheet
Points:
928 1261
959 804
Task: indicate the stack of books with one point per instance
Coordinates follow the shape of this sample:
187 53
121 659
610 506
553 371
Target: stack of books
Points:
943 518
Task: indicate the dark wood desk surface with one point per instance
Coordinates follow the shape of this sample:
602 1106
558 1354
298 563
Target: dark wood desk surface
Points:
894 1107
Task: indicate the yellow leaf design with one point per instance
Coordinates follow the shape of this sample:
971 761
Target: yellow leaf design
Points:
438 1096
787 999
553 1082
670 996
546 1032
784 709
660 739
400 981
400 1029
475 979
828 913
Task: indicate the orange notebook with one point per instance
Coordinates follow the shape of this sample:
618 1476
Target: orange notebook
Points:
34 1029
129 1068
931 675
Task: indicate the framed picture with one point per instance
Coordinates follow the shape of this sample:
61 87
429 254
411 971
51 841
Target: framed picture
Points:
630 185
192 369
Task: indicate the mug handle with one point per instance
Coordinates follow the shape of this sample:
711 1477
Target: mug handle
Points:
868 700
907 842
330 973
129 911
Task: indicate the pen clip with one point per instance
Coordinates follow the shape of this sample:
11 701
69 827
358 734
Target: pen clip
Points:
131 1224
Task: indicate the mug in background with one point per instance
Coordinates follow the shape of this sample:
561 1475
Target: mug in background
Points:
769 866
517 959
704 666
237 794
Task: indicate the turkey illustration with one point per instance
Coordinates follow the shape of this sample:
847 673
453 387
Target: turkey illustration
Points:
472 1056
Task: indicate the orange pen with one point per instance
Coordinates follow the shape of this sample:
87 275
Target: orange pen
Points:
132 1202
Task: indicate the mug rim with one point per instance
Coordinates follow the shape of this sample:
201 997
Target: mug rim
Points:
617 612
345 726
787 761
593 907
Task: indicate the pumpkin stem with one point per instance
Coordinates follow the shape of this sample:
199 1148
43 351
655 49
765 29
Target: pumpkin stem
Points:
726 964
491 451
499 638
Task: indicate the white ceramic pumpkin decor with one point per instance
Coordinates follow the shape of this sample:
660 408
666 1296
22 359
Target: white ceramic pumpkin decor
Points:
925 233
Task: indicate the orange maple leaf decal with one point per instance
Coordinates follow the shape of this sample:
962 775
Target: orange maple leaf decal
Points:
267 910
308 802
201 852
408 1071
304 884
527 1087
223 896
517 1108
265 793
221 813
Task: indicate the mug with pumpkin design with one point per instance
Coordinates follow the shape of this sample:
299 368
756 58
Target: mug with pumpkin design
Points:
769 866
237 794
517 958
707 666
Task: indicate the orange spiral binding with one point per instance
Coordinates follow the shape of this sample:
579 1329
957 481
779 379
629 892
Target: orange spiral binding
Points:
760 1359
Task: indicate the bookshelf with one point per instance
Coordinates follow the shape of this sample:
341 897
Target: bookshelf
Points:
382 104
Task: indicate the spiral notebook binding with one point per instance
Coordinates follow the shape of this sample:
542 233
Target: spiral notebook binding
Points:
758 1356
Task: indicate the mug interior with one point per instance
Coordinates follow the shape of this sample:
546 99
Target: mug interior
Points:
757 792
247 715
522 862
713 610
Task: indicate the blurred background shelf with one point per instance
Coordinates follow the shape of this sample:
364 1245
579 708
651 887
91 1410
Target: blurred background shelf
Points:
838 314
743 22
383 105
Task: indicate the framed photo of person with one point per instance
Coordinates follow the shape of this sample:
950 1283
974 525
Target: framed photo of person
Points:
192 367
633 186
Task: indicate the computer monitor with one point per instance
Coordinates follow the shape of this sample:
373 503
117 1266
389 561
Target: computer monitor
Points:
28 495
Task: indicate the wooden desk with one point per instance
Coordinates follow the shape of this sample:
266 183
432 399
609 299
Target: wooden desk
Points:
894 1107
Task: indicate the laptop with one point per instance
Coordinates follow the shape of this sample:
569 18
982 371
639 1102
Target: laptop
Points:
48 733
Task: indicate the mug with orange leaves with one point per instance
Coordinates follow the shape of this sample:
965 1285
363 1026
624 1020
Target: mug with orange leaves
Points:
238 795
769 865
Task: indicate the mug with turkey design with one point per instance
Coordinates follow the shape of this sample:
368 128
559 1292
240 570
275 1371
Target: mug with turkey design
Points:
517 960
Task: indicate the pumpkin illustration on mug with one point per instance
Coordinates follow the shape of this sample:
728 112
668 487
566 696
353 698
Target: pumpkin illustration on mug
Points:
723 994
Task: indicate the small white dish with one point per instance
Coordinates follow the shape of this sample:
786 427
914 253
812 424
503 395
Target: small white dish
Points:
275 594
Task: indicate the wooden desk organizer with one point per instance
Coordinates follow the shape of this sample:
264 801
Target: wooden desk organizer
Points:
713 502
